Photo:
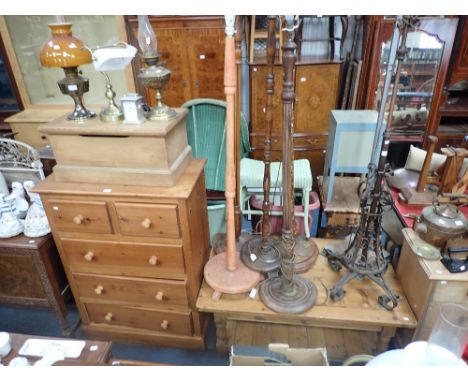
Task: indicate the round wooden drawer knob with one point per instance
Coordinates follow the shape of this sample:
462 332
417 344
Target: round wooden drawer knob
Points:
153 260
89 256
108 317
146 224
78 219
164 324
159 296
99 289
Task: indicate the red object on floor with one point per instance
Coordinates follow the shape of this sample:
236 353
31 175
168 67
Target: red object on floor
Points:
465 354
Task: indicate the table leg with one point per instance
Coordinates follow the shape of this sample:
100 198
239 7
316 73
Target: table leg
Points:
385 336
52 295
222 345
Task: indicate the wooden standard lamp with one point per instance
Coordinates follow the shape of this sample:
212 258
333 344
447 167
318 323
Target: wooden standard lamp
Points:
288 293
224 272
259 253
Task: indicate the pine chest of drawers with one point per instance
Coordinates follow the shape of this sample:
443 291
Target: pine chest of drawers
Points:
134 256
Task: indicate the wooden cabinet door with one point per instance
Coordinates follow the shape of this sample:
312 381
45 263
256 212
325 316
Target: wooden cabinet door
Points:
205 58
173 55
316 94
192 48
258 100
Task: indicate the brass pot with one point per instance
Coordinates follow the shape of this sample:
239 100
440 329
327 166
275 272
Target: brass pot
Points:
438 223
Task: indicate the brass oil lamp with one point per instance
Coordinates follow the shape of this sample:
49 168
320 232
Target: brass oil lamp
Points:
154 75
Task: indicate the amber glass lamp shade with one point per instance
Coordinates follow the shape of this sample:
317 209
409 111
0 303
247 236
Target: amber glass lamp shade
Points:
63 50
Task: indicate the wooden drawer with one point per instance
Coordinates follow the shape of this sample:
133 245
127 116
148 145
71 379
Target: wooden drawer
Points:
125 259
162 294
307 141
74 216
138 318
160 220
312 141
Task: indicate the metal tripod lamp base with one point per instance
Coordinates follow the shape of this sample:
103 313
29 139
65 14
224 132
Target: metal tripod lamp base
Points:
222 280
282 296
337 255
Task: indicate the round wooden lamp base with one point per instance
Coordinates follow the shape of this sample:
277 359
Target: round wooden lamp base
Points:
305 254
260 255
283 297
222 280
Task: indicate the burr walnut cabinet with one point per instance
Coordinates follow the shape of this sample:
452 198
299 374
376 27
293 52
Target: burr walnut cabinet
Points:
316 93
134 256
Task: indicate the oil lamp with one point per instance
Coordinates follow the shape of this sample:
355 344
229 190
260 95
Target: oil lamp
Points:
154 75
65 51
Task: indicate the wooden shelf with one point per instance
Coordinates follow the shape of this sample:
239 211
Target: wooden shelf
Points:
458 109
303 60
461 128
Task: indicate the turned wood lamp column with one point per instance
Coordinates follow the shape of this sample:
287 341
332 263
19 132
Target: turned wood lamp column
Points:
259 253
225 273
288 293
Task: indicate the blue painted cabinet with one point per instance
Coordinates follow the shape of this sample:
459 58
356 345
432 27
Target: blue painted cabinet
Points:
349 146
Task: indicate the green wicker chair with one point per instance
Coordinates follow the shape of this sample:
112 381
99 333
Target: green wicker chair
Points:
206 133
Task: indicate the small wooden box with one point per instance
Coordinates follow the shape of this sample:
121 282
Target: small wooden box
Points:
427 285
150 154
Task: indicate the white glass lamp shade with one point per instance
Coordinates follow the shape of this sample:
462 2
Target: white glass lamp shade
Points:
113 58
147 37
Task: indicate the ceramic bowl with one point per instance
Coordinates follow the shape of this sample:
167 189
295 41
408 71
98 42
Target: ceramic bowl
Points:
19 361
5 345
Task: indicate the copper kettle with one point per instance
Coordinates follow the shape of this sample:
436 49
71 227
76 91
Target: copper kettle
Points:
440 222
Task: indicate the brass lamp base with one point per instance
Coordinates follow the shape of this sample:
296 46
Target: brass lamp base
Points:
75 86
111 114
80 114
156 77
161 113
282 296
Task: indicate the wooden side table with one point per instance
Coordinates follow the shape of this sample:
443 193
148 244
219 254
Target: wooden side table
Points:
355 325
95 353
32 275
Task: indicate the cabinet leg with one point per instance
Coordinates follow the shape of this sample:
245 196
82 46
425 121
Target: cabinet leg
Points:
222 345
54 297
385 336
